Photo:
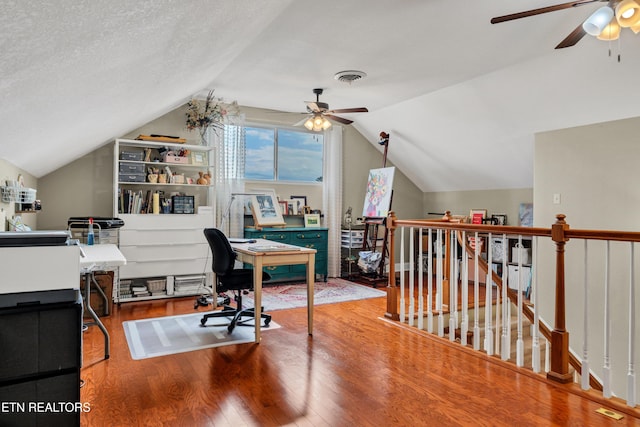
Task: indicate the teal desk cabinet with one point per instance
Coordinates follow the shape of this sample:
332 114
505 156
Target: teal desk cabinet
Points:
315 238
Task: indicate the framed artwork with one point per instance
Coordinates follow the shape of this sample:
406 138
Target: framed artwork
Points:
501 219
265 209
377 201
298 202
312 220
477 215
199 158
284 206
525 215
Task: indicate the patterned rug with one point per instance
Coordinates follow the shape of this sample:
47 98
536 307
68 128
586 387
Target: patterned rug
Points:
293 295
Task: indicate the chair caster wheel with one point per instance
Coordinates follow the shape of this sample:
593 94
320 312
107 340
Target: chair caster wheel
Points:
266 322
203 322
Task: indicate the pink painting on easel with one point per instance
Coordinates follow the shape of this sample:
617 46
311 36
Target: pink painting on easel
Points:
379 188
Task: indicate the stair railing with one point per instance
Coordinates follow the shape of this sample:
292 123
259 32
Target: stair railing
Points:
446 298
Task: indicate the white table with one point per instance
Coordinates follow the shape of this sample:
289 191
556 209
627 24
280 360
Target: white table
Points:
260 259
98 258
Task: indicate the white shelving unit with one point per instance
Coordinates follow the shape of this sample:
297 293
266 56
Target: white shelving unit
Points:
167 254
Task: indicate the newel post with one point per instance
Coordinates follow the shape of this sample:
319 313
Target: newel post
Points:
559 336
392 289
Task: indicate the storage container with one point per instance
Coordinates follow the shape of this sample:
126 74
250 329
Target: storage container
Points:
127 168
136 156
171 158
131 177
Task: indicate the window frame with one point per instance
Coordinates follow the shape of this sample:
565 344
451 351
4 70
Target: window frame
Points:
275 129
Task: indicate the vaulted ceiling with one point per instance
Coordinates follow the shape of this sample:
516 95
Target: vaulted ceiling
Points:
461 98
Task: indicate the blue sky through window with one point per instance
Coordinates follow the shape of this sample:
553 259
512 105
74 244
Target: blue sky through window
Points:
299 155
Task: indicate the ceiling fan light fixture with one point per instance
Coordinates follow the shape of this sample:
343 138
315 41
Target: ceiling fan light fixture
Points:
595 24
309 123
628 13
610 32
317 123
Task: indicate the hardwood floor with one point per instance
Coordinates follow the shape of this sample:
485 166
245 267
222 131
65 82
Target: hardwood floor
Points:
356 370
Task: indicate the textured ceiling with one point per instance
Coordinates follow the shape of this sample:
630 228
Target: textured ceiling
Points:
461 98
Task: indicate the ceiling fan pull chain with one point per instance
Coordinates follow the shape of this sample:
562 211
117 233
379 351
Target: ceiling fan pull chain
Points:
619 50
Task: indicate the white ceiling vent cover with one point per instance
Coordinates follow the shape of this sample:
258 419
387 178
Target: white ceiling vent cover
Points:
350 76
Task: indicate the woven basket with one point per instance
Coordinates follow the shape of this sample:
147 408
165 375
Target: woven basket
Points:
156 285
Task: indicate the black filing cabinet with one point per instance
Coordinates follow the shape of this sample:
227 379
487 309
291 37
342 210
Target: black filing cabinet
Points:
40 358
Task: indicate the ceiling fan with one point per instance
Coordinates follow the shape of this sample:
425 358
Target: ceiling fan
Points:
319 112
604 23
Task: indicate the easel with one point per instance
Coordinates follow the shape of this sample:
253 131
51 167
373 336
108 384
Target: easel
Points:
372 225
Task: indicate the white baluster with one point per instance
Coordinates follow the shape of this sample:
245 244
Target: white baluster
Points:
535 348
439 269
430 285
520 341
411 278
606 370
464 326
402 309
506 320
488 304
420 282
453 296
476 296
631 375
585 321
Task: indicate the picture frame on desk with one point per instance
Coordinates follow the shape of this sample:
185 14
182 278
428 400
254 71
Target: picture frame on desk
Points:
265 209
284 206
298 202
312 220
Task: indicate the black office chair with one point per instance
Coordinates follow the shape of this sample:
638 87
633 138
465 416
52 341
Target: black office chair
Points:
229 279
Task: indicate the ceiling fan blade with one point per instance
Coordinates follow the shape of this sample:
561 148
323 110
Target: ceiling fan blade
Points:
312 106
338 119
541 10
573 38
350 110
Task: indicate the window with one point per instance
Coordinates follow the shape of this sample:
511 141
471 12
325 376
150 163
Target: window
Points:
283 155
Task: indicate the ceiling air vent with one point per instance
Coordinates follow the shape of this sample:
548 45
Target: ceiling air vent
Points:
350 76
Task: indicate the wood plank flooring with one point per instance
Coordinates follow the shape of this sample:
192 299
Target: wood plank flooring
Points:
356 370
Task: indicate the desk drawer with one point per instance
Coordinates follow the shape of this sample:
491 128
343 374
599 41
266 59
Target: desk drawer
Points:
274 236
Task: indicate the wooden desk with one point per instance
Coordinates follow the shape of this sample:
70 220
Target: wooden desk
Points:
260 259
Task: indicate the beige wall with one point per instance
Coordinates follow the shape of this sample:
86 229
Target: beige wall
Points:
494 201
595 170
84 187
7 210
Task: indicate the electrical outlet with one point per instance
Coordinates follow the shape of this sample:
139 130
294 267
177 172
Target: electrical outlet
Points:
556 199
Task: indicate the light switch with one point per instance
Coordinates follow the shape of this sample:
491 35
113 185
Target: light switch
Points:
556 198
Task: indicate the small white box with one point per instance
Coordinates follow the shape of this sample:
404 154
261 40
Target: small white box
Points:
514 275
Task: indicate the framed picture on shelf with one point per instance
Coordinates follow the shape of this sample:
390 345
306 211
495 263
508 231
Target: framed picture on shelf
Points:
198 158
312 220
265 208
477 215
500 219
284 207
299 202
525 215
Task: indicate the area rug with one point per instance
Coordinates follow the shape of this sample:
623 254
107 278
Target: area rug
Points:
161 336
280 297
